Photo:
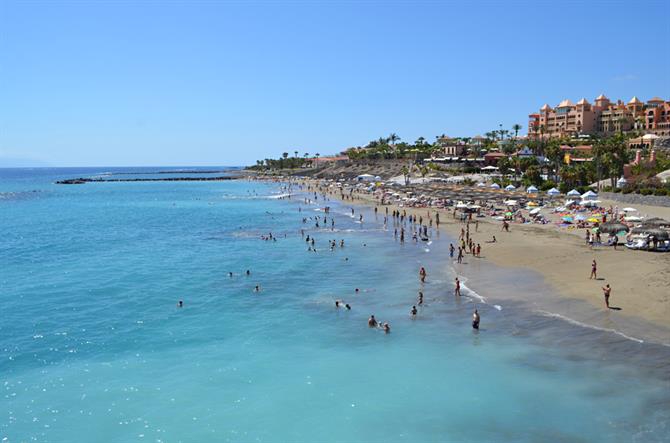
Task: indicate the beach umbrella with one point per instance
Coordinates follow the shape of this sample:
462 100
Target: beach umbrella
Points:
613 227
592 220
573 193
580 217
531 190
629 210
658 233
567 219
535 211
495 186
655 222
553 191
509 188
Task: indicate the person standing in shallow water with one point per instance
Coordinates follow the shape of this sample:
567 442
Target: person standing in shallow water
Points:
422 274
607 290
457 289
475 320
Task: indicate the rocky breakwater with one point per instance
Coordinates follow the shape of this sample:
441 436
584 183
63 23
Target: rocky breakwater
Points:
81 181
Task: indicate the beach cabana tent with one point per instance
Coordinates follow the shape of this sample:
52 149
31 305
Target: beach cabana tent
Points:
621 182
553 191
531 190
589 195
509 188
495 186
365 177
573 193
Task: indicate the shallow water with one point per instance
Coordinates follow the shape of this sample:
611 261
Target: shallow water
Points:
93 348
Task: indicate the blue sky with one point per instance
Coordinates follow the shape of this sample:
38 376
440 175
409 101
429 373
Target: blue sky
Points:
222 83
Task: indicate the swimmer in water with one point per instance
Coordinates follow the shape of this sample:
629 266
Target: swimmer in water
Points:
257 288
248 272
180 304
372 322
230 274
337 303
475 320
347 306
420 298
386 327
357 291
413 311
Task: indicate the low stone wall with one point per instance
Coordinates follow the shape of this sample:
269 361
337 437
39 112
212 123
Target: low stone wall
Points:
637 199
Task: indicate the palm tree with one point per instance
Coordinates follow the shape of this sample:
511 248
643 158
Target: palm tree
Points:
516 128
295 153
393 138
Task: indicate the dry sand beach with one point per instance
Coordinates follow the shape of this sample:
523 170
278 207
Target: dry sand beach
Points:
639 280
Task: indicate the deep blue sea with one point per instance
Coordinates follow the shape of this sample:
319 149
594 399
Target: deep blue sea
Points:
94 349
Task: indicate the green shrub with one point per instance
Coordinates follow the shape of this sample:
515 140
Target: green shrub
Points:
547 185
626 190
661 191
646 191
616 190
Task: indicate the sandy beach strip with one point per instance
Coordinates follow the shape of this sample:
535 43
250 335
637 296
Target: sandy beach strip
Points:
640 280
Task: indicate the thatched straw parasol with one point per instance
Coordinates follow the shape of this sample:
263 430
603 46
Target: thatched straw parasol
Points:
613 227
655 222
660 234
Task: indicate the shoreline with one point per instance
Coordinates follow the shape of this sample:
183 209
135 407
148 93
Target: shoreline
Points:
562 260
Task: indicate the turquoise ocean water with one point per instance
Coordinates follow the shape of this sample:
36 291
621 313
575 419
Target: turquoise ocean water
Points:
93 347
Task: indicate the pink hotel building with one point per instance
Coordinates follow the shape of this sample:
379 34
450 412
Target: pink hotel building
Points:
601 117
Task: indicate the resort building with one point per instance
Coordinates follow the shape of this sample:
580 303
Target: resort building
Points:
602 117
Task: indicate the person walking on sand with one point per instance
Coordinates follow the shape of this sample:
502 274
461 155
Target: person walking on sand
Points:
607 290
457 289
594 270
